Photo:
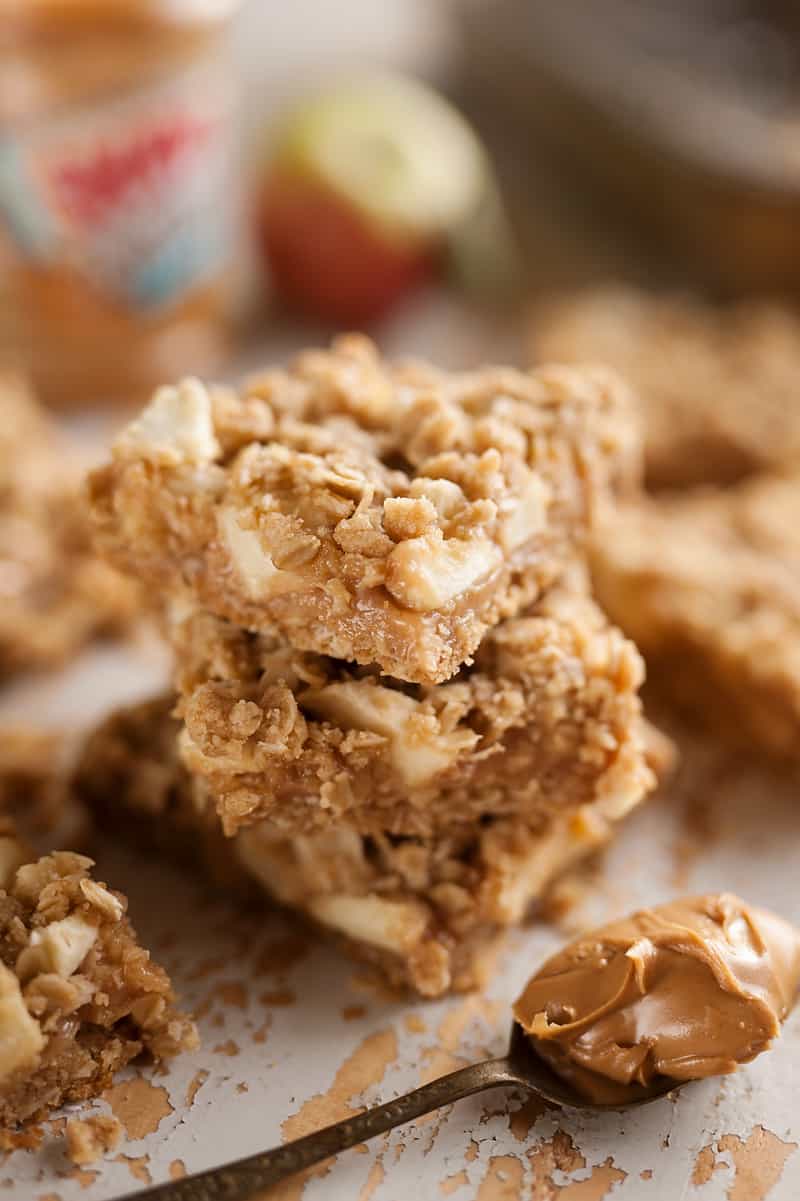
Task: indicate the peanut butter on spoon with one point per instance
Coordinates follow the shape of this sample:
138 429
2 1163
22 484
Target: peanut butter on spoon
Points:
686 990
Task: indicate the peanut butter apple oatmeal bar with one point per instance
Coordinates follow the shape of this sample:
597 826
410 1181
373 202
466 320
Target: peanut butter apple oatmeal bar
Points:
55 594
425 910
718 385
79 997
708 584
380 514
548 717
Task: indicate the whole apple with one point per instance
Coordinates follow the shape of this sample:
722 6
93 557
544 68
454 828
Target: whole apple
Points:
361 192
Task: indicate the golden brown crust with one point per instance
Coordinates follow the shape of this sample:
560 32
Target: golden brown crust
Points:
387 515
718 386
425 910
708 585
79 997
547 718
55 594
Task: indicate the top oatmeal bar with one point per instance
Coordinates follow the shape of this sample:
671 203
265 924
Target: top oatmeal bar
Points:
383 514
718 385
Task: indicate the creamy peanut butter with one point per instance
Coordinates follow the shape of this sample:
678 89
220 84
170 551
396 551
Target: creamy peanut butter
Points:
689 989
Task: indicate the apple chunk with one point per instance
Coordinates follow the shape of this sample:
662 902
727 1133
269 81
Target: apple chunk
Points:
363 189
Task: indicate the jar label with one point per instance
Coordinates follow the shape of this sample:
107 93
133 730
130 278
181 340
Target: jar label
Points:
135 196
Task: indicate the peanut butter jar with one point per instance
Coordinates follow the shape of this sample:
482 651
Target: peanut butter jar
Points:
119 215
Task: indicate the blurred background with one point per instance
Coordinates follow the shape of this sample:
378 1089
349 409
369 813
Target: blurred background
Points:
199 185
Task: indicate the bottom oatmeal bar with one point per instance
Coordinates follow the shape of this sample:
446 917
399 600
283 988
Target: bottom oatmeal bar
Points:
425 910
708 585
79 996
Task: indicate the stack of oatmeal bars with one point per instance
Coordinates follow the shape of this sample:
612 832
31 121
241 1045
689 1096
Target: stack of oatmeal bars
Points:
398 709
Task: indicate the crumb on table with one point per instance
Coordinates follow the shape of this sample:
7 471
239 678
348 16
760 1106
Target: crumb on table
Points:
89 1139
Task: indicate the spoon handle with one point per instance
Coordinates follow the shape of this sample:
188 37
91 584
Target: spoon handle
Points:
246 1177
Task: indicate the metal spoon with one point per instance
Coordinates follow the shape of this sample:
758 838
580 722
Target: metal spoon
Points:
521 1067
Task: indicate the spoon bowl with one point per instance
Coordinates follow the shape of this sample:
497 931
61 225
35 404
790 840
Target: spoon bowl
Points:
534 1074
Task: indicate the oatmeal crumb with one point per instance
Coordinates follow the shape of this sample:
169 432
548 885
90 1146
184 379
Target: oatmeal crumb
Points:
88 1139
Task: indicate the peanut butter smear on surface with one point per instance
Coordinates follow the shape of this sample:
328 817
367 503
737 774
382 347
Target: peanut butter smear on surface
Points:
689 989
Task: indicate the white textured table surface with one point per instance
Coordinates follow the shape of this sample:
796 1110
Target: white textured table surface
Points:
295 1035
